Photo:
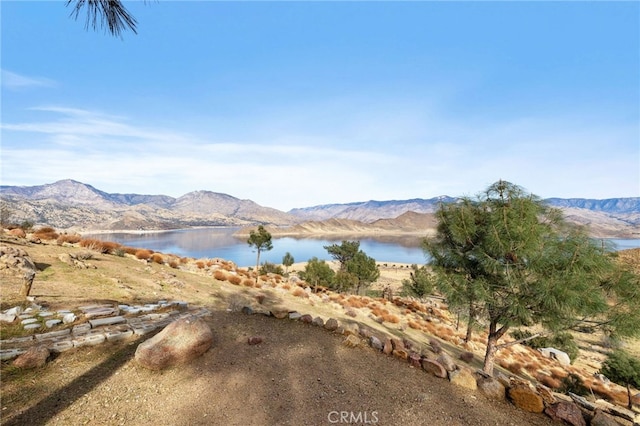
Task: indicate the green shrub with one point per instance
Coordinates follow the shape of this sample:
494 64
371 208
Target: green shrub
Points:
271 268
574 384
622 368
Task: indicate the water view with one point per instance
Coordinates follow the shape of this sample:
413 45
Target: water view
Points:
220 242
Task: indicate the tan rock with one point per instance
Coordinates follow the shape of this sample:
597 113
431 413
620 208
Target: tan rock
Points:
400 353
387 349
331 324
526 398
464 378
446 361
179 342
351 341
434 367
492 388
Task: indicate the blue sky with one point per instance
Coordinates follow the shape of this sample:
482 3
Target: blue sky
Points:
294 104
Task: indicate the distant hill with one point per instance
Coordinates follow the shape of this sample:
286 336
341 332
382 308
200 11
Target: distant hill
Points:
69 204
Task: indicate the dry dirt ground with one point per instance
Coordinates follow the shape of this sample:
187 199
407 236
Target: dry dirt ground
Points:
299 375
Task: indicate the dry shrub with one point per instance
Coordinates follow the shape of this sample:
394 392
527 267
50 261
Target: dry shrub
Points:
260 298
210 263
69 239
354 302
414 325
220 275
429 327
248 282
548 381
235 280
110 247
157 258
184 260
286 286
174 264
130 250
533 366
558 373
390 318
258 285
278 277
200 264
143 254
46 233
515 367
298 292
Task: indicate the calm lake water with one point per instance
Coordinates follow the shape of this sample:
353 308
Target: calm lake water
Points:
220 242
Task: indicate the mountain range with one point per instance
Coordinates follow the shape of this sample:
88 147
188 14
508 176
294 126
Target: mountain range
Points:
72 205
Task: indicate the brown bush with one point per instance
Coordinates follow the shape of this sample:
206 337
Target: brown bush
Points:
184 260
157 258
220 275
558 373
286 286
235 280
69 239
174 263
130 250
46 233
298 292
200 264
515 367
414 325
143 254
248 282
390 318
548 381
110 247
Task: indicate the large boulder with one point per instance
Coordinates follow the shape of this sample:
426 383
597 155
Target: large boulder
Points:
556 354
179 342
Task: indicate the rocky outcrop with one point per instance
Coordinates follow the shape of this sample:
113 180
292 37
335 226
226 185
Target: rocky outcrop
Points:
16 261
179 342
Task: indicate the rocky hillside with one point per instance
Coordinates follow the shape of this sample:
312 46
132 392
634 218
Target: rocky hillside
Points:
69 204
74 205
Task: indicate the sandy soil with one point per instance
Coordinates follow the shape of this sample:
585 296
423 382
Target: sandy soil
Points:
299 375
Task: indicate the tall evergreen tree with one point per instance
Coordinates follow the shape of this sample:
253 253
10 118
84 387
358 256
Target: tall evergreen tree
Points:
513 261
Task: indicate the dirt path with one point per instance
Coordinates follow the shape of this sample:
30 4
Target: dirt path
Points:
299 375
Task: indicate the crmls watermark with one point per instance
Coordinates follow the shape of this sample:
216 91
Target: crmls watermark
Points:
353 417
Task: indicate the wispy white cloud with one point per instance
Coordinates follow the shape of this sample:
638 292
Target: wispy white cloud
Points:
15 81
292 167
